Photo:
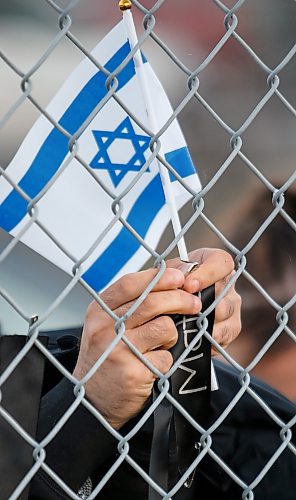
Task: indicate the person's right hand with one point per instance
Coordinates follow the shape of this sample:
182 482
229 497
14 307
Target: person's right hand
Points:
121 386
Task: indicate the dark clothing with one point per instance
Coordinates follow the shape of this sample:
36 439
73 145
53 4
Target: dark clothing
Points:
246 439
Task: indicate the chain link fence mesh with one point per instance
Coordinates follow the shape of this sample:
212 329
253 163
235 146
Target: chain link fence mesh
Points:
231 16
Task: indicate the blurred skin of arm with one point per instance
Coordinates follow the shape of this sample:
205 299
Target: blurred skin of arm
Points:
122 384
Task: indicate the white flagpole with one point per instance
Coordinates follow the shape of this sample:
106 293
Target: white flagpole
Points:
125 7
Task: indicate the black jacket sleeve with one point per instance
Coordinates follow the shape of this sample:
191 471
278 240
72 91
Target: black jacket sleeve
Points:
80 447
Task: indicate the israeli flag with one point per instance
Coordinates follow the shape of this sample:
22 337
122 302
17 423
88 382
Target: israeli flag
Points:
76 207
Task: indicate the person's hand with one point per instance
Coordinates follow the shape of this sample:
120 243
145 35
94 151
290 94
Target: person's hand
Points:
215 266
121 386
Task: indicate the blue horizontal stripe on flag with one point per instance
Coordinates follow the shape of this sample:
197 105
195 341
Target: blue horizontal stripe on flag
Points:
125 244
55 147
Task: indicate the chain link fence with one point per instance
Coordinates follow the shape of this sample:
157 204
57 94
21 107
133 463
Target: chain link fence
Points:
231 17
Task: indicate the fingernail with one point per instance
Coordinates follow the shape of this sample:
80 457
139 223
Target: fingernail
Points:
195 286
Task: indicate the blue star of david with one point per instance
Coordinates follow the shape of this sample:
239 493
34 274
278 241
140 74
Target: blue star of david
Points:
105 138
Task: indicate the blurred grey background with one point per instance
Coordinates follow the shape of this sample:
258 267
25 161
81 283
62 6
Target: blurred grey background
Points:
232 84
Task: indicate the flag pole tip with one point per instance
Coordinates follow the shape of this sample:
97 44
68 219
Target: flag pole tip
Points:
125 4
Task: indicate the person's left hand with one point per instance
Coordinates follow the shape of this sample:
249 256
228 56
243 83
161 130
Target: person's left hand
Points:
215 266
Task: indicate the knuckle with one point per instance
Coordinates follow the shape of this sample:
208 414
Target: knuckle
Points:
149 302
238 327
98 329
147 309
224 309
224 281
225 333
125 284
168 328
166 361
236 301
229 307
93 338
238 298
90 310
223 337
228 335
149 332
220 331
162 360
167 324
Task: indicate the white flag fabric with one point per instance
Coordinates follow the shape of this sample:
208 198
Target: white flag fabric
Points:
75 208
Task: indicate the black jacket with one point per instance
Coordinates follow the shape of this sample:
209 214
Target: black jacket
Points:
245 440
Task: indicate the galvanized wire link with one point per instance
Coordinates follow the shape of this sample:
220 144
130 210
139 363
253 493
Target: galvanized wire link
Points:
193 94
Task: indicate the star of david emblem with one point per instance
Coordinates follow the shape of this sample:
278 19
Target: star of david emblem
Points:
111 151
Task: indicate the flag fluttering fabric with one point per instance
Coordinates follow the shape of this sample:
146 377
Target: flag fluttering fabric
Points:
76 208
